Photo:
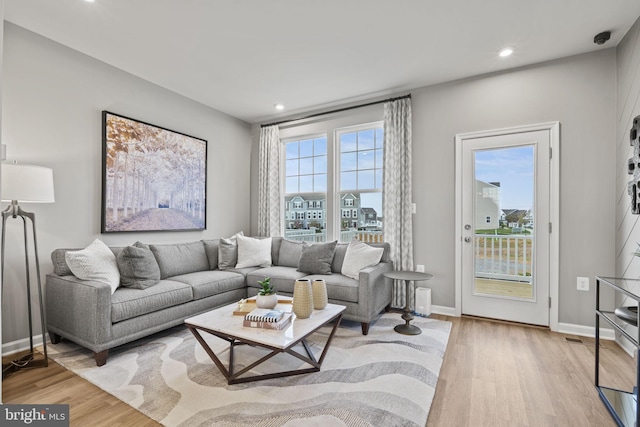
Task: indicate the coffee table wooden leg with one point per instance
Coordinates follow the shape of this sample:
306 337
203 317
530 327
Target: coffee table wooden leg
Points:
211 354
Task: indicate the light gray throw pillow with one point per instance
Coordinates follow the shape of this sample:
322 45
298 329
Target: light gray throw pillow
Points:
359 255
316 258
138 267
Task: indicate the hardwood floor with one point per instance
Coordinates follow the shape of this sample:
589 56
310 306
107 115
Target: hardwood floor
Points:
494 374
502 374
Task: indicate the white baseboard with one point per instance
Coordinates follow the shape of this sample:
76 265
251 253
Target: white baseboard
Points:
585 331
443 310
17 346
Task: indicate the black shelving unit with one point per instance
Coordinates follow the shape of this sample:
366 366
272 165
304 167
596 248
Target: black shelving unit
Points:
623 405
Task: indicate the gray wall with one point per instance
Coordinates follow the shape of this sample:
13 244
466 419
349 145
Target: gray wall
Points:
579 92
52 102
628 107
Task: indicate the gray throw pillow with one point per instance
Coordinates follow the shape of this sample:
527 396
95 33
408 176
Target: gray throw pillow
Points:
138 267
316 258
228 252
289 255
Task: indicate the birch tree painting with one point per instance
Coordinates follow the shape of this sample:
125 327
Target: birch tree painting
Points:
154 179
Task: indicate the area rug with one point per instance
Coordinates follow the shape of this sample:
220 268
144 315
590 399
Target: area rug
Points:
381 379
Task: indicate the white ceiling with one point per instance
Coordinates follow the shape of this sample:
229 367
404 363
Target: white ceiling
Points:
243 56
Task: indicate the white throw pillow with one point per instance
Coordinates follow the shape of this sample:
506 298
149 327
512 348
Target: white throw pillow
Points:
95 262
254 252
359 255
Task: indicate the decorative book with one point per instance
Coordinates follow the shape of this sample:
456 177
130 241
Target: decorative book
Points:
278 325
264 315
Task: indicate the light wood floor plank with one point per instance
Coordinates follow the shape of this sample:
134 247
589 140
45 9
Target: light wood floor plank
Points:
493 374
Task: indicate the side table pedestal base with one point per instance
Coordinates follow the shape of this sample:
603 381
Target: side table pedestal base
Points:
407 330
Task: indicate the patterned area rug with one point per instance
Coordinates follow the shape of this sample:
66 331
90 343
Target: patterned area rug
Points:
382 379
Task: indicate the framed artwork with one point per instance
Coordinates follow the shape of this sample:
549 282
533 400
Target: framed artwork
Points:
153 179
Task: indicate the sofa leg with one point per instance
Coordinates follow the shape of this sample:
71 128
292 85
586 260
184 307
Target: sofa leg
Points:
365 328
55 338
387 308
101 357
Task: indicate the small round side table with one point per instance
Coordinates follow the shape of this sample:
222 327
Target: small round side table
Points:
408 277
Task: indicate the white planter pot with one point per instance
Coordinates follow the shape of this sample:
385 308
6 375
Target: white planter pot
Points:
267 301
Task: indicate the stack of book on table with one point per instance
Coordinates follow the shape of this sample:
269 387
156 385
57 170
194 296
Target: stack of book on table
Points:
267 318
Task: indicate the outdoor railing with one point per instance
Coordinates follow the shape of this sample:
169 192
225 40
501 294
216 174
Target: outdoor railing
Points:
313 236
504 257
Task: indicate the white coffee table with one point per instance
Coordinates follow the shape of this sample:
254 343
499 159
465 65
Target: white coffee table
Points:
223 324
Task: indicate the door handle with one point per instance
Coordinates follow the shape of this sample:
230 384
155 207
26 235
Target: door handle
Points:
467 239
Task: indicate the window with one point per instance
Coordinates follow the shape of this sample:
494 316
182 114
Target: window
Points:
361 166
340 170
306 182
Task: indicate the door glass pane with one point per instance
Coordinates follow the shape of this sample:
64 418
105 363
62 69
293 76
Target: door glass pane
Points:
504 222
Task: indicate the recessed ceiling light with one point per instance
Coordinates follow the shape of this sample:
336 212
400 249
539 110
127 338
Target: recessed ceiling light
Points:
507 51
90 1
279 106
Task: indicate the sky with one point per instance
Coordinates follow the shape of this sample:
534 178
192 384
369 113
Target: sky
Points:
513 169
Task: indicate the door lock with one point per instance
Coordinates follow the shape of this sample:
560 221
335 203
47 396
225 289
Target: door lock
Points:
467 239
467 227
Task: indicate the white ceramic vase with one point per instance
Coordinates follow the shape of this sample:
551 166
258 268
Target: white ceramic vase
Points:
302 299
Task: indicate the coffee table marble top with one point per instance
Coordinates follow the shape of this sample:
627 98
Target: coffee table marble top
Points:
222 321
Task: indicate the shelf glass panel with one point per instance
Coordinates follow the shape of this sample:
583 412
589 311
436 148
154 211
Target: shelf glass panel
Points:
621 404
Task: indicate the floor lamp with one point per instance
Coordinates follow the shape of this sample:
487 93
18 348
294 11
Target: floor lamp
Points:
28 184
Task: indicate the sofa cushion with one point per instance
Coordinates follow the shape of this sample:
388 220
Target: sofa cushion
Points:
138 267
208 283
282 278
228 252
180 258
127 303
316 258
289 254
339 287
253 252
359 255
95 262
211 249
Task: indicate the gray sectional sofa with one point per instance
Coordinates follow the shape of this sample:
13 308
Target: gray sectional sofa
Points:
92 314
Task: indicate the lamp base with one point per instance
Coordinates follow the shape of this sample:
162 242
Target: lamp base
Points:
24 362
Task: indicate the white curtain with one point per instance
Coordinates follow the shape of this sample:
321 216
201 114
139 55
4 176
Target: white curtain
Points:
398 229
269 181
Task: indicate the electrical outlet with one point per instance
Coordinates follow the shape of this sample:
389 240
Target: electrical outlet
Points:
413 208
420 268
583 284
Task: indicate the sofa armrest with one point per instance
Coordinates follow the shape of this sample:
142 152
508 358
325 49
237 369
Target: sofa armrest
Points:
79 310
375 290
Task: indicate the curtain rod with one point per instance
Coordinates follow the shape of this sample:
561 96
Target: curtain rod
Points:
339 110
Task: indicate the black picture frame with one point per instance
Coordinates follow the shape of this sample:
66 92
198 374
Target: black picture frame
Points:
153 178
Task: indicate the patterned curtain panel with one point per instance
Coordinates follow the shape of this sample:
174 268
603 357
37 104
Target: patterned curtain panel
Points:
269 182
398 229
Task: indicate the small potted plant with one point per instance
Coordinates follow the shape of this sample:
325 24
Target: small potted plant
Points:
267 297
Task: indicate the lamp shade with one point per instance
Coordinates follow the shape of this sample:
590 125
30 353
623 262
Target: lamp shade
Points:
26 183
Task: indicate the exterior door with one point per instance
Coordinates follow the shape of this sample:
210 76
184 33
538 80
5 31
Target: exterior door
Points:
504 222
